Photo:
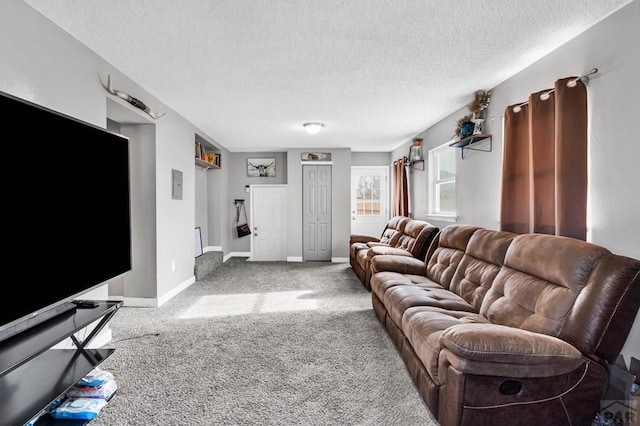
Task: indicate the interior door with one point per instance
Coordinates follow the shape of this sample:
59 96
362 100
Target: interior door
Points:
369 199
316 213
269 219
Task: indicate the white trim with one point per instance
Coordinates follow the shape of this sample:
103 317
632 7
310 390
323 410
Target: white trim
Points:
280 149
236 254
294 258
303 162
212 248
442 217
339 259
154 302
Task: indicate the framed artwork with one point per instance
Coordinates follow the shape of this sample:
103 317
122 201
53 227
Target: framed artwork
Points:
315 156
261 167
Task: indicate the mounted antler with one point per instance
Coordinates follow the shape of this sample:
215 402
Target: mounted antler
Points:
133 101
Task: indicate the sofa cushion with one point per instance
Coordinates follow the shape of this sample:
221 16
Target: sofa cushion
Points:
399 298
383 281
394 229
416 238
480 265
452 243
423 326
540 281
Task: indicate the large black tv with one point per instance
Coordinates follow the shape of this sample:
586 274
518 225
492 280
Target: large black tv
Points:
66 211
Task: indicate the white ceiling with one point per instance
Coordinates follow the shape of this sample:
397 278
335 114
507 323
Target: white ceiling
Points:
377 72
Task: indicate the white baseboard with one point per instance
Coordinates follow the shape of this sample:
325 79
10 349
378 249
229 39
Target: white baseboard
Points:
339 259
294 258
212 248
154 302
236 254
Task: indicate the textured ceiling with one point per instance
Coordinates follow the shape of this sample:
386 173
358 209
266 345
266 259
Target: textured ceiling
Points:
377 72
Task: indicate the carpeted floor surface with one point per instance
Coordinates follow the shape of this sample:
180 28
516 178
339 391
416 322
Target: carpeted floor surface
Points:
260 343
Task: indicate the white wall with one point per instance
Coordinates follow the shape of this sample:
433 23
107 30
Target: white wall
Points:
614 198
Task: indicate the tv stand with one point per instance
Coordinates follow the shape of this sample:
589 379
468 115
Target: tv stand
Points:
32 375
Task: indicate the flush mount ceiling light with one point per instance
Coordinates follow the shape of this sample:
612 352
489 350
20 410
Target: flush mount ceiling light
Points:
313 127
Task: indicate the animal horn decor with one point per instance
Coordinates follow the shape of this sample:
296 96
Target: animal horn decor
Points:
133 101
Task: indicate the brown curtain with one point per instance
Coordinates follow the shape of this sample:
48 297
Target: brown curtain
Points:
544 172
400 206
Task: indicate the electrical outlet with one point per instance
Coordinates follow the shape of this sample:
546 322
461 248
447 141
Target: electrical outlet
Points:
173 265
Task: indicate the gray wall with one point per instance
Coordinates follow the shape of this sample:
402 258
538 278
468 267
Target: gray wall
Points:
613 201
238 179
371 159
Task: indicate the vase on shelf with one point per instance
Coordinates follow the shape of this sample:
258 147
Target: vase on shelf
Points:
466 129
415 152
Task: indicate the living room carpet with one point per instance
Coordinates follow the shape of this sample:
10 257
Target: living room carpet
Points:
260 343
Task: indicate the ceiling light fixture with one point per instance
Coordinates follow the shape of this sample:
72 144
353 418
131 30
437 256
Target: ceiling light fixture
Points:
313 127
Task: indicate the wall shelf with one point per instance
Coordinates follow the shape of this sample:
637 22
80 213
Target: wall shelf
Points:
414 164
466 143
207 156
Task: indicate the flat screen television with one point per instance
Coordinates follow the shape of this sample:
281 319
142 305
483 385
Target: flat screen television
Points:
66 211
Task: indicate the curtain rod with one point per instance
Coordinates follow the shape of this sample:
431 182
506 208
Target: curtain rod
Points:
571 83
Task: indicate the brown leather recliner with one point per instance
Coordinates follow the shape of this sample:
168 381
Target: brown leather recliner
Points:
410 237
497 328
390 235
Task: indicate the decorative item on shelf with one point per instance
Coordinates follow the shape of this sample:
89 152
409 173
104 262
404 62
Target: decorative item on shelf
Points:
133 101
464 127
477 107
415 151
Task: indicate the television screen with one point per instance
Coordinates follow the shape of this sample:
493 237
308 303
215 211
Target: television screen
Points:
66 210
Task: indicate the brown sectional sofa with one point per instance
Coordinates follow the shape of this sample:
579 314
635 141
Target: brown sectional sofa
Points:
499 328
402 236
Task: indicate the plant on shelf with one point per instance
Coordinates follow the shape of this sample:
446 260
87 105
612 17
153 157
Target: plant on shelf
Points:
464 127
479 103
471 124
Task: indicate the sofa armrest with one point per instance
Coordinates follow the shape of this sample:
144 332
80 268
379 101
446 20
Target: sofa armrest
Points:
497 350
400 264
382 250
362 238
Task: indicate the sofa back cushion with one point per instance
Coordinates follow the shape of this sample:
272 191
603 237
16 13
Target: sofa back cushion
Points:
394 229
416 238
480 265
450 245
566 288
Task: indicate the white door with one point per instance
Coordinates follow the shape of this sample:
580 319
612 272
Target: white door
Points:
369 199
269 219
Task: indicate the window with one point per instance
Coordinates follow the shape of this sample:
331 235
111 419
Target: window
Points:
368 196
442 182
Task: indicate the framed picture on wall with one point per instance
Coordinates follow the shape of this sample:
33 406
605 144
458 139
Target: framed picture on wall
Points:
261 167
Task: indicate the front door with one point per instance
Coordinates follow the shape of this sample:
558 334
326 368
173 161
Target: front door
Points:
369 205
269 219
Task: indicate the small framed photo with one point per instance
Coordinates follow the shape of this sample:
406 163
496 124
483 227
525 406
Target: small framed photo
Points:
261 167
